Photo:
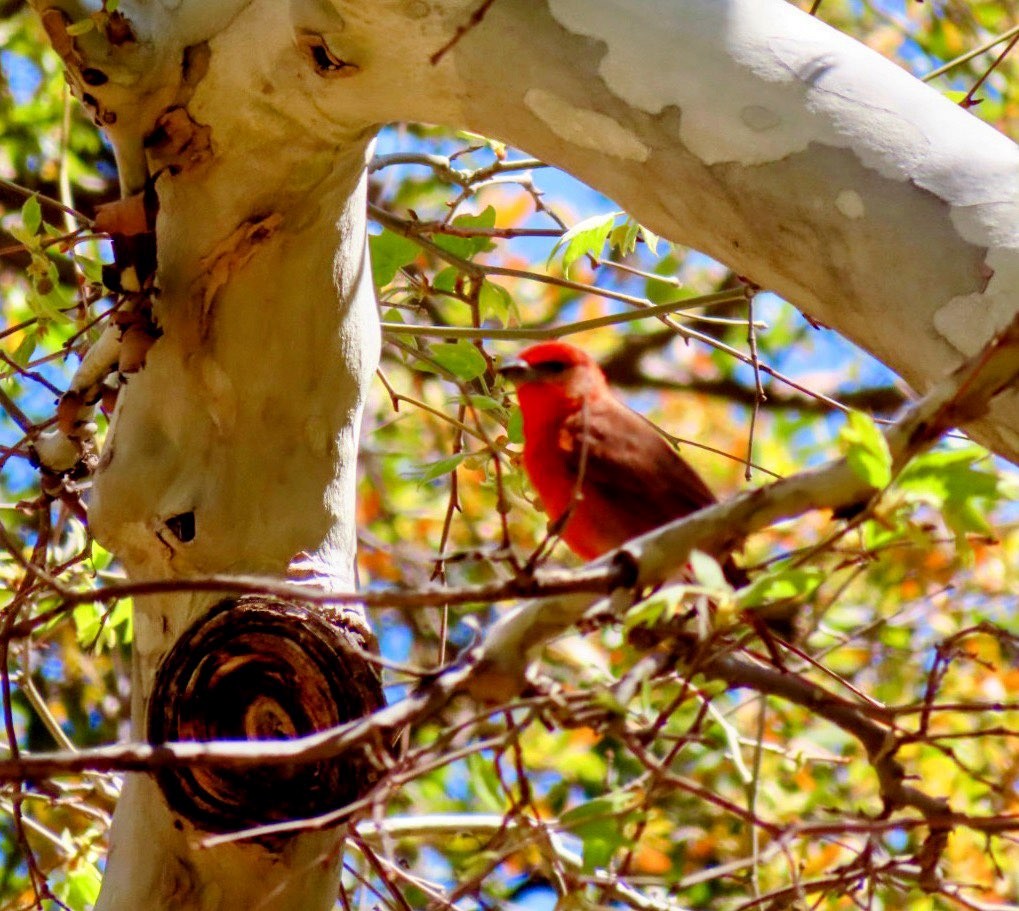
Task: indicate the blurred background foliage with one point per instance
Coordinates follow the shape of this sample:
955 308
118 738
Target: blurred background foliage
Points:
476 250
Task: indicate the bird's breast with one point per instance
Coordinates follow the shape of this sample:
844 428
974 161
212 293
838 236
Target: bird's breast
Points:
550 473
591 529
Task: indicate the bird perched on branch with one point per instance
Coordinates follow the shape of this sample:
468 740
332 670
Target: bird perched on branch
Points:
604 474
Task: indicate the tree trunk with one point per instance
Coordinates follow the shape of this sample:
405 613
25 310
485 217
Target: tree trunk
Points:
743 128
233 448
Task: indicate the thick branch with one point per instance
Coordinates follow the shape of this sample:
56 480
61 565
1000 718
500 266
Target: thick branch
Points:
874 399
601 579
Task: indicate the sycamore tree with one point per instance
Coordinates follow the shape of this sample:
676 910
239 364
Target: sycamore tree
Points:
284 625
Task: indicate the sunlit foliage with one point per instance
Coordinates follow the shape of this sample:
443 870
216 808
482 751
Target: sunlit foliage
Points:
610 783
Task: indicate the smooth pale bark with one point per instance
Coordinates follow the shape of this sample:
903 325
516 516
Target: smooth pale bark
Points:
743 128
246 411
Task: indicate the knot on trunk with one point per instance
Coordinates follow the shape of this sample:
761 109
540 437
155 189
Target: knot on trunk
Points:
258 668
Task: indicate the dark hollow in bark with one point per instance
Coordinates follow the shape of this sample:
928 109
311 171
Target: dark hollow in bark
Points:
258 668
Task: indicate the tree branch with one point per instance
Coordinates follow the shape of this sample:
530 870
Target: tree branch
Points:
623 368
494 671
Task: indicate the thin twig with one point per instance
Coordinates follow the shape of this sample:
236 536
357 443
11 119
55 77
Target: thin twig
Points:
968 101
970 54
759 395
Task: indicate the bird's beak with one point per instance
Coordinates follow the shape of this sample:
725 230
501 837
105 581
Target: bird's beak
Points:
516 370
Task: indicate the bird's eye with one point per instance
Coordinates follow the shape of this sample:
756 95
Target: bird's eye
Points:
554 367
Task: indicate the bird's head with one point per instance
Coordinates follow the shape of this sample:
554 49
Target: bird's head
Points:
553 370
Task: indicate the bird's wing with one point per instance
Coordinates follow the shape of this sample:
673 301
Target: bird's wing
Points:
628 463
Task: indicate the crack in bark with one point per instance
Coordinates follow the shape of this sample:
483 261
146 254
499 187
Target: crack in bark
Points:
227 258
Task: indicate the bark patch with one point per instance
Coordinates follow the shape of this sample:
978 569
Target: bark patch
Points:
227 258
178 143
258 669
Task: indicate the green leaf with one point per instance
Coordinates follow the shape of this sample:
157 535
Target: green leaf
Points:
651 239
663 292
897 637
432 470
446 280
390 252
583 239
474 866
647 613
952 474
478 402
707 571
495 303
81 27
624 237
668 289
47 306
597 810
26 348
598 824
485 783
92 269
87 622
954 481
606 700
122 620
877 535
466 247
866 449
31 214
588 767
515 426
95 629
664 604
599 848
781 585
460 358
81 888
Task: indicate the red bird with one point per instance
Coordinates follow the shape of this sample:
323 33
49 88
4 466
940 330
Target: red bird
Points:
587 452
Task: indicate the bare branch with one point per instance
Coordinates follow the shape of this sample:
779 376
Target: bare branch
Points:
495 670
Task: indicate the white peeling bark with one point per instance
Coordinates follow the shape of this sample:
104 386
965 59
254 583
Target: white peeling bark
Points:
246 411
751 131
